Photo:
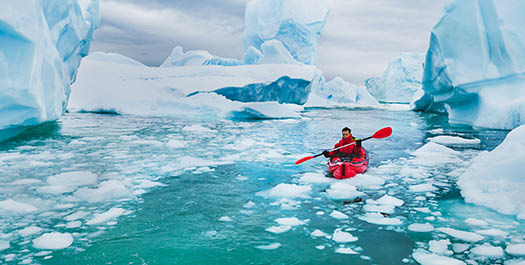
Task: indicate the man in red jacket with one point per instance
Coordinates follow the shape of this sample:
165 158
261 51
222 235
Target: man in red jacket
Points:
347 151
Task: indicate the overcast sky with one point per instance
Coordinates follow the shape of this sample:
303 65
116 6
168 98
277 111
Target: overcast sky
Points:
358 41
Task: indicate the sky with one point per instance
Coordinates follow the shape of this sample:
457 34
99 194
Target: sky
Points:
359 39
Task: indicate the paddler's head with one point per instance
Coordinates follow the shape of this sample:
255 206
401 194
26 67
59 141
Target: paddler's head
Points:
347 132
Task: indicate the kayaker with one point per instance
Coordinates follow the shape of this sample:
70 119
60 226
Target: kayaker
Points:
348 151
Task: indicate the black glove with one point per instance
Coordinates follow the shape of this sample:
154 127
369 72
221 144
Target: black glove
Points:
326 153
358 143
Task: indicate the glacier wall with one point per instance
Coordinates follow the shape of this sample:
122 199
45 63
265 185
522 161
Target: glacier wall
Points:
474 67
400 81
41 45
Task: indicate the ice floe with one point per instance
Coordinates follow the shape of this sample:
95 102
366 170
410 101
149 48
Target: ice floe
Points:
53 240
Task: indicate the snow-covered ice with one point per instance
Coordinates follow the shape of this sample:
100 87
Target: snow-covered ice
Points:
343 237
426 227
463 235
487 250
425 258
53 240
494 179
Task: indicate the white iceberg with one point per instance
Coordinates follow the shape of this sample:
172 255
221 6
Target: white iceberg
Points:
296 24
338 92
120 87
400 81
495 179
41 45
474 67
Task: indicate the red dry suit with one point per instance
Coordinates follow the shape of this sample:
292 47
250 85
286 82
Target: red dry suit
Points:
348 150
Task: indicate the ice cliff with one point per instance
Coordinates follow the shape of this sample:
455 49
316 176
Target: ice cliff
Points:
474 67
41 45
400 81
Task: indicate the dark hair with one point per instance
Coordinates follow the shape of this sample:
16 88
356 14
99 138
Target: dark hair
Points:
346 129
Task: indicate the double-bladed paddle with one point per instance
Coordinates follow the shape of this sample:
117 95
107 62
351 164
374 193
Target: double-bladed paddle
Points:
382 133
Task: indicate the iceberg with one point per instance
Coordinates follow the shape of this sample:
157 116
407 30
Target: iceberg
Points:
283 30
121 87
338 92
474 67
495 179
41 46
400 81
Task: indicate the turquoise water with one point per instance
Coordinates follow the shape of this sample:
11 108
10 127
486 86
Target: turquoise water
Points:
193 191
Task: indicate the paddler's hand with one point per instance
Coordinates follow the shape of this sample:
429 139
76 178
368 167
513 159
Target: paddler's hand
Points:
326 153
358 143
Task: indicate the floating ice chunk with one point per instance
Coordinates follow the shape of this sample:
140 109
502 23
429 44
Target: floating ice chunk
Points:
432 154
73 179
379 219
422 209
26 182
287 191
382 208
487 250
57 189
343 237
278 229
453 140
318 233
270 246
111 214
465 236
492 232
387 200
225 219
492 178
460 248
343 250
474 221
516 249
175 143
198 129
76 216
425 258
291 221
111 189
422 187
249 205
343 190
4 245
145 184
15 207
440 246
74 224
53 240
338 215
315 177
426 227
29 231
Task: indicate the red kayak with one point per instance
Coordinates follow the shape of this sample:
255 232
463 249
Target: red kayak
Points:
347 167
